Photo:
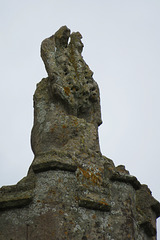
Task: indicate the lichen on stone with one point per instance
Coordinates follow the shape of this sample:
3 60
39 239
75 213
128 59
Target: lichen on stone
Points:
71 191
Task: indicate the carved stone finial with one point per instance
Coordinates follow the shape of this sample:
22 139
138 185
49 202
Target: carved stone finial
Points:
66 103
71 190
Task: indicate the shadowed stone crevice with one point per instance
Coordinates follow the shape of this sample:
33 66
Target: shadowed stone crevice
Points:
148 228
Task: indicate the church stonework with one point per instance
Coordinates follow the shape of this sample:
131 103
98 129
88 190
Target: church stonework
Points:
71 190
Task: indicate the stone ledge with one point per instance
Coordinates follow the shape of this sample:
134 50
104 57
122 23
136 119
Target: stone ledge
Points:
18 195
146 204
53 165
51 161
144 193
94 205
90 204
15 199
120 174
116 176
92 200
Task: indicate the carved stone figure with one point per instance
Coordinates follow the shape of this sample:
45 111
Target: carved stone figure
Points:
66 103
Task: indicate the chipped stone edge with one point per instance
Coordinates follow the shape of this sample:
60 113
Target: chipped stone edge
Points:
18 195
116 176
53 165
16 200
94 205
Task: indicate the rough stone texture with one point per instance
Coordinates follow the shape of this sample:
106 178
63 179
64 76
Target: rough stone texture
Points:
71 190
67 103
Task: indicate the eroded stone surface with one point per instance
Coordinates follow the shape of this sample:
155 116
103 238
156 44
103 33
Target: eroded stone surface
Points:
71 190
18 195
66 104
76 205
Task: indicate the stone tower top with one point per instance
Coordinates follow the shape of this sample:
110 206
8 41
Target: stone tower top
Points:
71 190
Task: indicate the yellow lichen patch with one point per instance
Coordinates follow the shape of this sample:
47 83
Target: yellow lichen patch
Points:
52 130
98 174
85 173
67 91
101 169
76 198
103 202
94 178
76 122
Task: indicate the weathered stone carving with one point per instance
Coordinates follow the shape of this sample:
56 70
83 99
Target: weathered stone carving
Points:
67 103
71 190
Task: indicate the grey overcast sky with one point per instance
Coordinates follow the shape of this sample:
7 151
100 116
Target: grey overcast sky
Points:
122 48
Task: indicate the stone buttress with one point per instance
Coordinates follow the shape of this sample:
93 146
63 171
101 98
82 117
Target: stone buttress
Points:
72 191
